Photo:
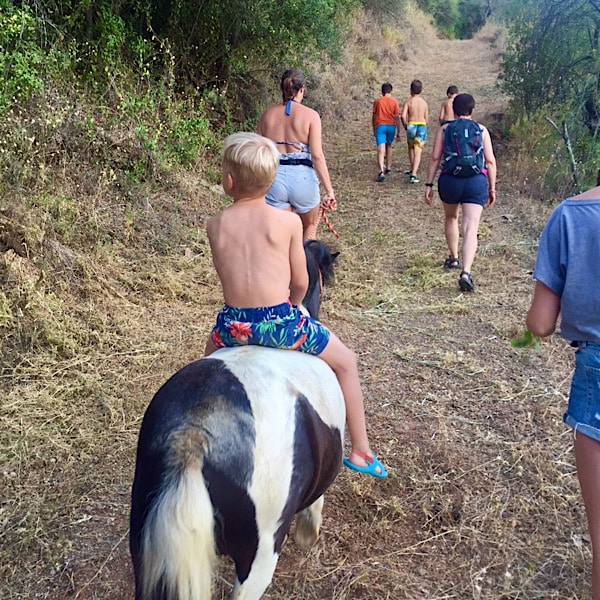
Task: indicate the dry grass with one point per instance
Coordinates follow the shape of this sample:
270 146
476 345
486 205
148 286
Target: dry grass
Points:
482 501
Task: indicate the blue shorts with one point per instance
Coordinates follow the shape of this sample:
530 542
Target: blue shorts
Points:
281 326
385 134
295 186
583 412
463 190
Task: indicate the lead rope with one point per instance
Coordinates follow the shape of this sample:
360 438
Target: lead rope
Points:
322 215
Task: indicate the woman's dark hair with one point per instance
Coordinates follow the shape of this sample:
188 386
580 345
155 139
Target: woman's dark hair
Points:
463 105
291 82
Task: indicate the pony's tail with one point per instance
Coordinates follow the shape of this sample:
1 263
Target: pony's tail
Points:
178 544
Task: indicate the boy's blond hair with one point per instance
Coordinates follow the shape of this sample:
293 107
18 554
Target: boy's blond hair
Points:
252 161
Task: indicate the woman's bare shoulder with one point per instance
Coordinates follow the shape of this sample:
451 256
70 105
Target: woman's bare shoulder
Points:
309 112
591 194
272 112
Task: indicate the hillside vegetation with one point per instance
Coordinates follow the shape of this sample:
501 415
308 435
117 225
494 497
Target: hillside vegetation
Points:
108 289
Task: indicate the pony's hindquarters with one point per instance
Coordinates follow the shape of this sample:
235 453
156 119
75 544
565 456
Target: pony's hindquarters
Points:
230 449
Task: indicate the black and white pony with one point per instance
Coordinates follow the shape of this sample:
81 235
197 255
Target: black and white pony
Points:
231 447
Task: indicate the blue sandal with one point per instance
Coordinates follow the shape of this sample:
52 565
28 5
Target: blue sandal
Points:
370 469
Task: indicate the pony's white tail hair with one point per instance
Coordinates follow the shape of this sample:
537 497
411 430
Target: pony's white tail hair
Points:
178 545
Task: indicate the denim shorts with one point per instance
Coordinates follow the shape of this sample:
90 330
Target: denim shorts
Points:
385 134
583 412
295 186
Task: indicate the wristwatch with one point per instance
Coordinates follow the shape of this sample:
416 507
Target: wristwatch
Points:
429 185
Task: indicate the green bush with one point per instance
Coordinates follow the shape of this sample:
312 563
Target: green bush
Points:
551 69
187 136
456 18
21 59
472 17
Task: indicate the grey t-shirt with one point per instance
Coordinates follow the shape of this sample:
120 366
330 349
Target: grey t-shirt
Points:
568 263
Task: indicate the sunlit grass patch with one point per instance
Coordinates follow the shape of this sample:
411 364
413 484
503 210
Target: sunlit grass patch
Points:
422 273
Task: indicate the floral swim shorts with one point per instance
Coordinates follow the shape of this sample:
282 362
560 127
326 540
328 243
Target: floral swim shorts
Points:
281 326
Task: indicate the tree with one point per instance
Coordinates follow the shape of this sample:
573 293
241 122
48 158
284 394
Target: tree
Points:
199 43
212 41
551 72
457 18
552 57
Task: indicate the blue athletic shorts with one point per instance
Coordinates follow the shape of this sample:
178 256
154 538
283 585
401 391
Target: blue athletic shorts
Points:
295 186
583 412
385 134
281 326
463 190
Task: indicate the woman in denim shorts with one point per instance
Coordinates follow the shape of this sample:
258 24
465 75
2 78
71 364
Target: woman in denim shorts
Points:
297 131
567 274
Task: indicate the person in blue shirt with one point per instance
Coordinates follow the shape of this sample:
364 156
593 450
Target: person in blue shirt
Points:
567 275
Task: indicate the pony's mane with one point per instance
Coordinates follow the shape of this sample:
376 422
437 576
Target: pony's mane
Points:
324 258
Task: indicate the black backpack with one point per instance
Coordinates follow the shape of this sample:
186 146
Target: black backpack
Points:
463 148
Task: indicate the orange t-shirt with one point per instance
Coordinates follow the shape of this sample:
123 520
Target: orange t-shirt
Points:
385 110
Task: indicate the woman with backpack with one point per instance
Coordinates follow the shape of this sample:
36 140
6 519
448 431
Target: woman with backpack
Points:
463 149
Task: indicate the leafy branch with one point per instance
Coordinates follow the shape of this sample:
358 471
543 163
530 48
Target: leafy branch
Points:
526 340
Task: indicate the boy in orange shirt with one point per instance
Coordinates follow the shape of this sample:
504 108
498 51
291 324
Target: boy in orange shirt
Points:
386 123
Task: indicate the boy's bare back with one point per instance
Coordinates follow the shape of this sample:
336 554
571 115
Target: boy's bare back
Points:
415 110
258 253
447 110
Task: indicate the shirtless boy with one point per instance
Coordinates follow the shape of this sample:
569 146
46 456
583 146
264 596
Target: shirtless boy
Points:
258 253
415 115
447 112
